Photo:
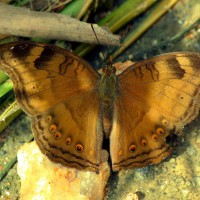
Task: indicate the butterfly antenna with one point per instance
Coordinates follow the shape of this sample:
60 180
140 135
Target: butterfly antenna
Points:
126 33
104 57
122 40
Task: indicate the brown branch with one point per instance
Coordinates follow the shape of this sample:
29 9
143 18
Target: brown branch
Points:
23 22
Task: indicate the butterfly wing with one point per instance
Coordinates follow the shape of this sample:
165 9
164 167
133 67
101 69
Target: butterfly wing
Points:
57 89
44 75
68 133
156 96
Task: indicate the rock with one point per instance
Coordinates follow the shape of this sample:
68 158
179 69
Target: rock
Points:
42 179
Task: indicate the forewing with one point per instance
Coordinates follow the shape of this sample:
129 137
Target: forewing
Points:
44 75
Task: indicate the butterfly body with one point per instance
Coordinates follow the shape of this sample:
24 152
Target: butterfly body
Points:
73 107
108 84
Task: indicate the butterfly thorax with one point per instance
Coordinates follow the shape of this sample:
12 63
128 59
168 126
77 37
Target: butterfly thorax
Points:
107 85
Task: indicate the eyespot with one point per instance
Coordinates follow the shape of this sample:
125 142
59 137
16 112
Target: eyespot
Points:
160 131
181 97
144 142
79 147
57 135
49 118
68 140
132 148
164 122
154 137
52 128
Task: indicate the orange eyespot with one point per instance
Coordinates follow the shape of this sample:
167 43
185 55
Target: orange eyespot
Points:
49 118
144 142
160 131
57 135
132 148
154 137
68 140
79 147
53 127
164 122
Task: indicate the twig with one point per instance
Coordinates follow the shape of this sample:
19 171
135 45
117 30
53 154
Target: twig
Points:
118 18
26 23
12 112
7 167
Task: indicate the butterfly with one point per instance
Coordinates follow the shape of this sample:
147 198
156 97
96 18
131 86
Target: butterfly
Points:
73 108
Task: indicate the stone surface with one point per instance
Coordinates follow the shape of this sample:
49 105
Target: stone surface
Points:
44 180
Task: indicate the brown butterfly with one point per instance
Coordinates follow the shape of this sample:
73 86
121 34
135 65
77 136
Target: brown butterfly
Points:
73 107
